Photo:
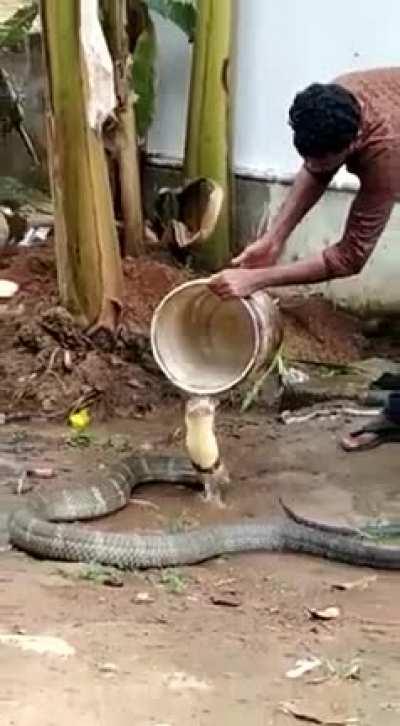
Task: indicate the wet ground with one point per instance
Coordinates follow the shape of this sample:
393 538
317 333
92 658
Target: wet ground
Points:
210 644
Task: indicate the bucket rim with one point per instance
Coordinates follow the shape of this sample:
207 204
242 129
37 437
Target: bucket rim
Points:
195 390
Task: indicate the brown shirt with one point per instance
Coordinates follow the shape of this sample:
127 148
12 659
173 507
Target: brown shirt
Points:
376 162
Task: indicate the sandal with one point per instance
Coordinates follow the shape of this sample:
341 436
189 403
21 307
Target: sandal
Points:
380 430
387 382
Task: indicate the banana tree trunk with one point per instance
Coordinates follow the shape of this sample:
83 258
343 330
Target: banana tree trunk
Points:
122 139
88 261
208 130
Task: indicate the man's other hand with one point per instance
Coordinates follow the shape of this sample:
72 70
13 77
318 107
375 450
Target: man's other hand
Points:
234 283
264 252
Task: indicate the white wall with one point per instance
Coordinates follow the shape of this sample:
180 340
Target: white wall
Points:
167 135
280 48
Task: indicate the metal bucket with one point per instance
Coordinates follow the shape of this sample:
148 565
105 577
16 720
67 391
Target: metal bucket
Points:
206 345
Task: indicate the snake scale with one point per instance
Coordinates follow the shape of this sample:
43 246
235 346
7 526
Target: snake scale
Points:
42 527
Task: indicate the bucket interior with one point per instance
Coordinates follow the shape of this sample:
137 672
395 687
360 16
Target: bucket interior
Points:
203 344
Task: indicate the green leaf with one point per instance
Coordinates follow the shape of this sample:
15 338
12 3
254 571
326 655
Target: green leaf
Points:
17 26
181 12
143 78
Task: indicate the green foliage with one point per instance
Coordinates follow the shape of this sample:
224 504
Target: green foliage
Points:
143 77
173 581
81 439
182 13
14 30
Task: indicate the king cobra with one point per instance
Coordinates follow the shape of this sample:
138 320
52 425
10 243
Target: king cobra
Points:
41 526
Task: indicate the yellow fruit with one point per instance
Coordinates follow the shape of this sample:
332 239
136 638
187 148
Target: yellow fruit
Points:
79 420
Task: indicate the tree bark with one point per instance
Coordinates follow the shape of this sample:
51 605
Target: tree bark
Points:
208 138
122 138
88 260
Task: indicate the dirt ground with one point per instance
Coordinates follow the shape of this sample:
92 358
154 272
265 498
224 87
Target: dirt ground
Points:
48 366
205 645
210 644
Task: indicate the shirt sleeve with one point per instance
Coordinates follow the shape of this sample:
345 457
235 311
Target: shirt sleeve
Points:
369 214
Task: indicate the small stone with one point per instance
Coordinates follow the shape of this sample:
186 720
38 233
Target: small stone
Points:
228 601
143 597
19 631
331 613
107 668
112 579
45 473
8 288
162 620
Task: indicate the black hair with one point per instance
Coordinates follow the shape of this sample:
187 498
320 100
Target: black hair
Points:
325 120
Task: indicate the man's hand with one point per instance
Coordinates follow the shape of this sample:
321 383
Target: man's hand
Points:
235 283
241 283
264 252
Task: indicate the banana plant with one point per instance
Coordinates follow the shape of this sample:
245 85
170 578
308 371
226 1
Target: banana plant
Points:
183 14
131 36
89 267
142 43
208 137
14 29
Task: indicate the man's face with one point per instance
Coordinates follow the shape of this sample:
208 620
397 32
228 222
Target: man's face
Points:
329 162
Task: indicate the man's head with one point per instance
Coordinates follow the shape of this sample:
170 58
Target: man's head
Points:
325 120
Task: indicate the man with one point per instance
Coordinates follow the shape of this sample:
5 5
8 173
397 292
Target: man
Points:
353 121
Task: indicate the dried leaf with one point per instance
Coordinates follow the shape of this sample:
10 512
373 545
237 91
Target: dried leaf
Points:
353 672
41 473
107 668
356 584
291 710
144 598
228 601
67 360
302 667
331 613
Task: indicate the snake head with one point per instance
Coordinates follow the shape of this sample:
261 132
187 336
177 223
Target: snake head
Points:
198 406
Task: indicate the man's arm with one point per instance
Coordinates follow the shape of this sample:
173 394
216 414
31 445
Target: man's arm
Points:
368 217
305 192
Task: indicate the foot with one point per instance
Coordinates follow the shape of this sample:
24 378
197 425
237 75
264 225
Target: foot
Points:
359 441
380 430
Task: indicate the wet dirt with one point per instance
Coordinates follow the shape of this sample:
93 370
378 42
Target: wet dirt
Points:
210 644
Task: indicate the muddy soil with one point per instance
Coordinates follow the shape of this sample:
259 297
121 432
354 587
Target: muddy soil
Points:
210 644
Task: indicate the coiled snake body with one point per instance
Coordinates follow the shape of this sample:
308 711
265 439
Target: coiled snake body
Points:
39 527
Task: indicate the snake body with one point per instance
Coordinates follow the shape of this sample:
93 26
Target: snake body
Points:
42 527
